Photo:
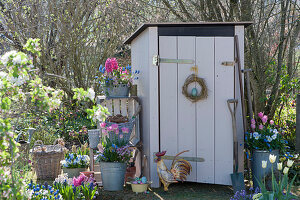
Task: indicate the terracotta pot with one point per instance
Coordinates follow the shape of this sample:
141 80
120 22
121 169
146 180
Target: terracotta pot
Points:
88 174
130 173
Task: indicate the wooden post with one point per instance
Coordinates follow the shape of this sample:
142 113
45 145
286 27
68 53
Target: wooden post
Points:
298 124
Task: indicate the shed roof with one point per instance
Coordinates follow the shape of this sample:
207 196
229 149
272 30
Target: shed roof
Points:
182 24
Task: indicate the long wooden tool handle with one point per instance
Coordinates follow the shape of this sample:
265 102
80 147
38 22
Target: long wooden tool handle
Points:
238 60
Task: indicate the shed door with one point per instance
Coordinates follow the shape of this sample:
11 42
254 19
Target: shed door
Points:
204 128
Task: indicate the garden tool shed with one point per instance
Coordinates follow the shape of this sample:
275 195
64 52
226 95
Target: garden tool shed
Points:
187 73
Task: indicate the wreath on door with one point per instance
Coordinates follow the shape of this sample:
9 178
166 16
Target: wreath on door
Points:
192 79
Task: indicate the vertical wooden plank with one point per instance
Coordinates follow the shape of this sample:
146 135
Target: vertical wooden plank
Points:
117 106
239 31
153 99
168 97
130 108
205 110
186 121
109 106
124 107
224 90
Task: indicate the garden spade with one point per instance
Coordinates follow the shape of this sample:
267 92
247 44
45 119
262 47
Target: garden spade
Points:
237 178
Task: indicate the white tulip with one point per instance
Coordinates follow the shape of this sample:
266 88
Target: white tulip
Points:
290 163
272 158
264 164
286 170
279 166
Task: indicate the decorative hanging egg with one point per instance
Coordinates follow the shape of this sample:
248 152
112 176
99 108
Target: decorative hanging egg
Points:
194 92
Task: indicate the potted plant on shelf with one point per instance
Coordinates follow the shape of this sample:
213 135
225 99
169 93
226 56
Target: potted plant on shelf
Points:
75 162
116 80
114 156
262 140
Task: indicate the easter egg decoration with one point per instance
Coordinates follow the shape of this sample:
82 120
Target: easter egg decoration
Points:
144 180
194 92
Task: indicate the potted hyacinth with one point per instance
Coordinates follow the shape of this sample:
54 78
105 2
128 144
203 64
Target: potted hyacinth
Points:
114 157
263 139
116 80
75 162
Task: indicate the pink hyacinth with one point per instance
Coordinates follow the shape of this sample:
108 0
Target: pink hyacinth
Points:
271 122
252 121
111 64
260 115
114 126
102 125
78 181
264 119
253 126
125 130
261 127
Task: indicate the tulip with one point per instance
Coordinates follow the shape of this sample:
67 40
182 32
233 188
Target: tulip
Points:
121 136
115 126
264 119
260 115
279 166
264 164
271 122
272 158
290 163
286 170
261 127
253 126
102 125
252 121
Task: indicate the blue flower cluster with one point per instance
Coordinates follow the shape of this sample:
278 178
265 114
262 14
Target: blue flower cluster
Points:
42 192
239 195
75 161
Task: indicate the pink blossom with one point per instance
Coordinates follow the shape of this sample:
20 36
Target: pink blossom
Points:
252 121
117 131
260 115
115 126
102 125
78 181
104 132
110 128
111 64
253 126
125 130
261 127
264 119
271 122
121 136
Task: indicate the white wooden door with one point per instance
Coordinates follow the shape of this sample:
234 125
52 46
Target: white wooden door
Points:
204 127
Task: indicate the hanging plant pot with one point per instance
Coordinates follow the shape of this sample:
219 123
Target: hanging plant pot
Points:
94 138
113 174
117 91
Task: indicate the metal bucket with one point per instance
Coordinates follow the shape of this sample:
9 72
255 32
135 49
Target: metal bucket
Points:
73 172
94 138
113 174
257 170
117 91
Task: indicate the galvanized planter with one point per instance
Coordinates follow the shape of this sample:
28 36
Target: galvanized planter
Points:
117 91
113 174
94 138
257 171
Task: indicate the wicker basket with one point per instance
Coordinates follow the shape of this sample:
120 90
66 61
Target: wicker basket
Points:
46 160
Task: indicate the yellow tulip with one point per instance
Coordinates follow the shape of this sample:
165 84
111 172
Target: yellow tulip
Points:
290 163
286 170
264 164
272 158
279 166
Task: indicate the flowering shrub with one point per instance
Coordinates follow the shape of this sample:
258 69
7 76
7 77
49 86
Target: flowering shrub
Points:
113 74
264 135
74 160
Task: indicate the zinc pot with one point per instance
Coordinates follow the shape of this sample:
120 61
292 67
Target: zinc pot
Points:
117 91
73 172
256 164
113 174
94 138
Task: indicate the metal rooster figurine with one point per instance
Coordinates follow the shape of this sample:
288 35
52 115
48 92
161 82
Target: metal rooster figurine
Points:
179 170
